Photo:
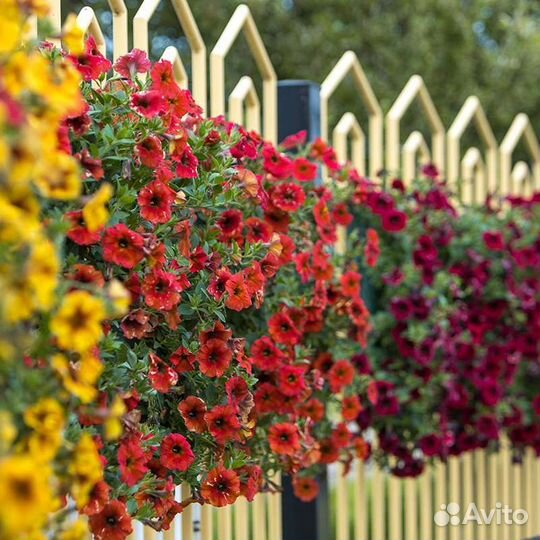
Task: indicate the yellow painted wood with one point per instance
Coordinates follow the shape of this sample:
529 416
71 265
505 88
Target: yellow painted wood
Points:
224 523
516 487
493 484
342 506
207 523
241 523
411 509
480 491
467 476
360 501
504 495
395 508
454 493
274 512
440 497
378 510
259 517
425 493
150 534
535 511
187 514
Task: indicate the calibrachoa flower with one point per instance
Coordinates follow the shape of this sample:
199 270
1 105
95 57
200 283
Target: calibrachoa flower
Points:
176 453
221 487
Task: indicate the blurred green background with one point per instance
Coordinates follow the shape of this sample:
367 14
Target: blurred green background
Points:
490 48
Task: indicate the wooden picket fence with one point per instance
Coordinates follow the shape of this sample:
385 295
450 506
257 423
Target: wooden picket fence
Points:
368 503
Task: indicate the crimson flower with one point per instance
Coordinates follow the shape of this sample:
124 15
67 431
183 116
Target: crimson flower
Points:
131 63
350 284
182 360
162 289
132 460
305 488
186 163
176 453
112 523
221 487
163 78
193 410
122 246
214 358
265 355
258 230
99 497
254 278
288 197
372 249
162 377
78 232
304 170
149 103
291 380
394 221
230 224
217 287
250 481
341 374
341 215
91 64
284 439
150 151
493 240
223 423
238 297
155 202
283 330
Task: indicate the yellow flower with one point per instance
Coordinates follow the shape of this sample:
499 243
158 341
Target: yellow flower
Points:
46 416
119 296
79 379
95 212
113 424
73 36
11 26
78 530
8 431
17 298
44 445
77 324
60 179
43 270
85 469
26 495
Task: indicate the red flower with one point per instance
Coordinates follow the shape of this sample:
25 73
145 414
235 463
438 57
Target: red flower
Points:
186 163
237 391
149 103
265 355
230 224
254 278
221 487
284 439
163 78
291 380
137 324
250 481
214 358
341 436
362 447
182 360
350 284
372 249
217 287
162 377
78 232
155 201
176 453
162 290
150 151
92 166
132 460
131 63
313 408
99 497
223 423
304 170
277 164
266 398
238 297
493 240
277 219
193 410
218 332
329 452
350 408
86 273
288 197
112 523
283 330
122 246
341 374
305 488
321 213
91 64
258 230
394 220
341 215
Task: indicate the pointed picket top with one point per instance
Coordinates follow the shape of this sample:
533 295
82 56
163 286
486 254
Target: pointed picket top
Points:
415 149
471 113
347 128
87 21
245 94
415 89
349 64
473 176
520 128
242 21
171 54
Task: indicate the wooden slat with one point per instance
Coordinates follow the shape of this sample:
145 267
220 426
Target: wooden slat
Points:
516 499
395 508
274 512
241 523
440 497
342 506
187 514
493 492
426 504
467 477
258 517
480 493
207 524
378 506
224 523
360 501
504 494
454 493
411 509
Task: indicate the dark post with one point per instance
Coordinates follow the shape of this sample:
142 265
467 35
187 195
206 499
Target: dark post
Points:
299 109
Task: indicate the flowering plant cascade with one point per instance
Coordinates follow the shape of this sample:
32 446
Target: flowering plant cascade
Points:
455 339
